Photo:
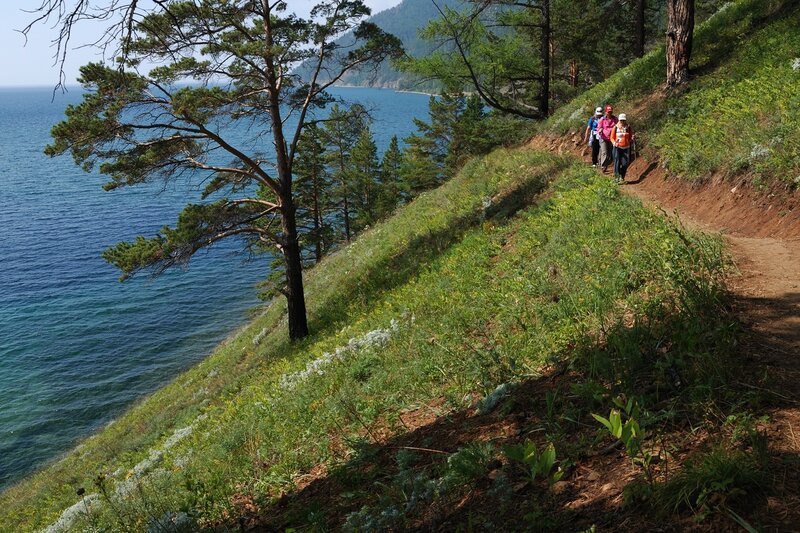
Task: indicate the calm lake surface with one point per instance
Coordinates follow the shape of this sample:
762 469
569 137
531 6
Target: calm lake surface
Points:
76 346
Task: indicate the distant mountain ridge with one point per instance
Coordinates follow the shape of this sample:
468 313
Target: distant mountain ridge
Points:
403 21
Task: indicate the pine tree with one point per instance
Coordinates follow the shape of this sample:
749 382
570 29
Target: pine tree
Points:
339 136
363 178
418 172
138 123
391 190
427 162
469 135
313 186
500 49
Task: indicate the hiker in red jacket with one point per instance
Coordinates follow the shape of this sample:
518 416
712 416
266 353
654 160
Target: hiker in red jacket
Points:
604 128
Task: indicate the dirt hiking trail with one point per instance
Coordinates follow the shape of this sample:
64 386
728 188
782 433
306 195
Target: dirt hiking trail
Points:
762 230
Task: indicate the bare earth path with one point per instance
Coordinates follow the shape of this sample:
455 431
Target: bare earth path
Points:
763 236
766 296
766 299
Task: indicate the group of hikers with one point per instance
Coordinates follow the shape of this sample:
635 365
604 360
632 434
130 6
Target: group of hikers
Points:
611 140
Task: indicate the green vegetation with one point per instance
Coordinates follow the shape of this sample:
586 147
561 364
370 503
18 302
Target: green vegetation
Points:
537 464
339 290
715 480
738 115
744 116
446 300
466 350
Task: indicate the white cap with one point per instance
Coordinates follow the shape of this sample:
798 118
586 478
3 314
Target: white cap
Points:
598 111
623 116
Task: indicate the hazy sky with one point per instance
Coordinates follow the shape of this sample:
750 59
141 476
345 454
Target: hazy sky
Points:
32 64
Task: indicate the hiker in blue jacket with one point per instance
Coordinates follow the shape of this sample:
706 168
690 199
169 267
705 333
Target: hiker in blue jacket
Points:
591 136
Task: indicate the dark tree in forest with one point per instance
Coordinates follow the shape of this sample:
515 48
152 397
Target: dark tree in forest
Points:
339 136
363 173
392 190
680 30
139 124
428 152
313 191
576 43
640 27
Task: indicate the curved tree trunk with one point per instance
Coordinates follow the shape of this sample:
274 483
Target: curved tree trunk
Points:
680 27
295 296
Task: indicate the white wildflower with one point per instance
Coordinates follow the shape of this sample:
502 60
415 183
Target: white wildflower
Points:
758 151
147 463
796 63
578 113
488 404
182 460
70 514
179 435
371 339
214 372
156 455
259 337
202 391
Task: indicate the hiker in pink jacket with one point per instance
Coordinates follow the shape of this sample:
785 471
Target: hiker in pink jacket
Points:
604 128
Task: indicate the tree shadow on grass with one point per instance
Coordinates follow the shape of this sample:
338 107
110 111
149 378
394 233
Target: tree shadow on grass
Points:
770 350
432 437
375 476
411 258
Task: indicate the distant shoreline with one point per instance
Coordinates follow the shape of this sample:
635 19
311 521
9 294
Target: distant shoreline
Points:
384 89
78 87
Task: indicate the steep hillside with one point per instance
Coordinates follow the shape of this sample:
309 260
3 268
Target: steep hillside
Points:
447 309
524 348
737 118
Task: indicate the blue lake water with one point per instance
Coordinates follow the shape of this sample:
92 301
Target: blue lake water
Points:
77 346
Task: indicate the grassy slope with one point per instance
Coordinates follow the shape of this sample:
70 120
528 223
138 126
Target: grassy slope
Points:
588 279
338 292
739 114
